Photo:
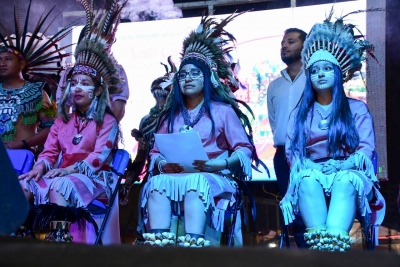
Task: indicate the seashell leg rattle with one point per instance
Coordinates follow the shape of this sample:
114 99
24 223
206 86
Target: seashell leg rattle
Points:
160 238
193 241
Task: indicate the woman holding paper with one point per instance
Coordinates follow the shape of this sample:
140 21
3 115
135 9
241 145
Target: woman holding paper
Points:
199 102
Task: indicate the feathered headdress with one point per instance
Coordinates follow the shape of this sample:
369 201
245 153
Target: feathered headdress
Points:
210 43
336 42
92 56
42 54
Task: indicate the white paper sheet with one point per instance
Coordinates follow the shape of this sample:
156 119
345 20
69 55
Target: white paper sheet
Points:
182 148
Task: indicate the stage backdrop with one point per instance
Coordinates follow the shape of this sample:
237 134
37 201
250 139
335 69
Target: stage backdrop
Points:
141 46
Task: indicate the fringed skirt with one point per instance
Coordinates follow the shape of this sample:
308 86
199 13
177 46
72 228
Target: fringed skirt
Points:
78 188
217 193
362 178
81 190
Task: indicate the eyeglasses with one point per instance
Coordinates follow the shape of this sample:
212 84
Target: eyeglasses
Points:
193 74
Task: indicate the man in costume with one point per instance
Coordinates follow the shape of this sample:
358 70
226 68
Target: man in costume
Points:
25 106
283 95
200 102
160 89
84 141
331 142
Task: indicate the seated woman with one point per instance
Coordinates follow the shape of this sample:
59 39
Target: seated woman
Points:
198 102
330 142
84 141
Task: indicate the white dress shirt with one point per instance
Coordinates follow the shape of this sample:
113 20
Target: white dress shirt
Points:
283 94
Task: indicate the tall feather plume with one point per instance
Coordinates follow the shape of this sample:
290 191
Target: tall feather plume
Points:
88 11
109 16
91 18
41 56
54 39
26 26
17 25
39 25
7 40
30 48
92 50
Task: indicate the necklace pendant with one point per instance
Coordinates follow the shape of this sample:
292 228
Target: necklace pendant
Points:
77 139
185 128
323 124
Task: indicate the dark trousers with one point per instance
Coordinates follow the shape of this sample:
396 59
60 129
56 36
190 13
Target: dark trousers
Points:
282 172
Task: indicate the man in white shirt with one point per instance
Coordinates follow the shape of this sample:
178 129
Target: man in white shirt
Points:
283 94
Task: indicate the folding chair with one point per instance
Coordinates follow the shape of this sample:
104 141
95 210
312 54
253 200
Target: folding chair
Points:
21 159
119 164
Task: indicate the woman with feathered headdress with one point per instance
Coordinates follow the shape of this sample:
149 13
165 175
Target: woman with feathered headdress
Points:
331 141
200 102
85 139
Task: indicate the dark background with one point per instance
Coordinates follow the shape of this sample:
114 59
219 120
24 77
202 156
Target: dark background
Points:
390 189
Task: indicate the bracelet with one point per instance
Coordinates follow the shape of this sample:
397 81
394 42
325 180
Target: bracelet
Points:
160 168
227 164
26 146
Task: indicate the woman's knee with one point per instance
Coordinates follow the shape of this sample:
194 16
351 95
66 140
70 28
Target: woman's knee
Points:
157 197
345 184
309 185
191 195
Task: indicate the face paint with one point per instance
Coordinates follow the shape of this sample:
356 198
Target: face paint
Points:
86 88
191 80
79 84
322 75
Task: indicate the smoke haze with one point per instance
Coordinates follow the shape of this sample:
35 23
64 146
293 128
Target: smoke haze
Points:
141 10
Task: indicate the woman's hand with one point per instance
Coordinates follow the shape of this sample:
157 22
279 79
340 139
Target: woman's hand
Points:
57 172
312 165
172 168
331 166
36 173
213 165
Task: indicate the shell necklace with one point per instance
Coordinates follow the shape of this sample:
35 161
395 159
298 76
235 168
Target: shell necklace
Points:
324 122
187 117
80 125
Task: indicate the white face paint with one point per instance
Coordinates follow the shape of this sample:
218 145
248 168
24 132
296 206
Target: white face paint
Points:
82 84
191 80
82 91
322 75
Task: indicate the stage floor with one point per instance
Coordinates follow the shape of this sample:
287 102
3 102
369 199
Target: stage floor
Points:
19 252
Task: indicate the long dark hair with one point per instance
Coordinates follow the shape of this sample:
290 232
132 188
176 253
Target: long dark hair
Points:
342 134
178 102
175 102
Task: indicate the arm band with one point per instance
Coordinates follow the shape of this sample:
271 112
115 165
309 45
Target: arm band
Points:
160 166
26 146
